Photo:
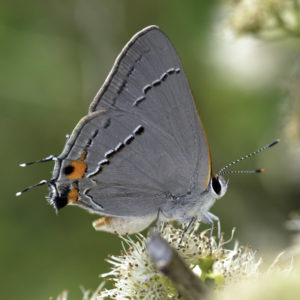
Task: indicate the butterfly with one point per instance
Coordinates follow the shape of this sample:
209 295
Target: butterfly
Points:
141 153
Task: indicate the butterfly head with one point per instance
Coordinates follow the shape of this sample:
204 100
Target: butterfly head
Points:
59 195
219 185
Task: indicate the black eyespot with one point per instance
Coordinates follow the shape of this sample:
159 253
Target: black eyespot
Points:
216 185
68 170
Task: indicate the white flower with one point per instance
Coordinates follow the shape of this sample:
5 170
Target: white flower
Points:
234 272
135 276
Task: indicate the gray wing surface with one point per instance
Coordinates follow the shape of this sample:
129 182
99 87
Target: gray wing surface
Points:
149 143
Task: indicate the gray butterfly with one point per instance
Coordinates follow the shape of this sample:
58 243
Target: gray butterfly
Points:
141 152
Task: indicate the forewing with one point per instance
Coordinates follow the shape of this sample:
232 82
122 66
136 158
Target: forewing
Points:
148 80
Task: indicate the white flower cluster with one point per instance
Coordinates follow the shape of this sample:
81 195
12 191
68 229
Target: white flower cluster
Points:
234 272
135 276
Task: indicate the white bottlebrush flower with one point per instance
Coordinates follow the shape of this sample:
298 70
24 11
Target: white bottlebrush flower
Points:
135 276
233 272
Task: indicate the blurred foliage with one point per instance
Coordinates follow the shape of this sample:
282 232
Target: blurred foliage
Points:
54 56
266 18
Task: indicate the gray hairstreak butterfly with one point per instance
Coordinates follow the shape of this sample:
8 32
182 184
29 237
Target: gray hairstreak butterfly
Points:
141 152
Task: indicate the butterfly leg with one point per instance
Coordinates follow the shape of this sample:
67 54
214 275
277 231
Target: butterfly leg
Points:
208 219
158 221
215 218
185 231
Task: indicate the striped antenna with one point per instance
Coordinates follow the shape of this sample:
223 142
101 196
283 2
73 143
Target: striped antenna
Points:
222 171
42 182
46 159
243 171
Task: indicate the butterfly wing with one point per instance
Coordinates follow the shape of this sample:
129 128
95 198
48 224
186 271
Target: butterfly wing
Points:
142 140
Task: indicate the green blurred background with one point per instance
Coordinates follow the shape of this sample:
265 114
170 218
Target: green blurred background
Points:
54 56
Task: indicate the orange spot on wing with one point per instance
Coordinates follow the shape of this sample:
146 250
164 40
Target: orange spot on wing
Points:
79 169
72 196
83 155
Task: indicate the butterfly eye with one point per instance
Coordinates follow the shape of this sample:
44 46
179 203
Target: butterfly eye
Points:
216 185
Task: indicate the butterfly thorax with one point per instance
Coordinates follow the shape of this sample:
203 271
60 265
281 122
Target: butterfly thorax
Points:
196 203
